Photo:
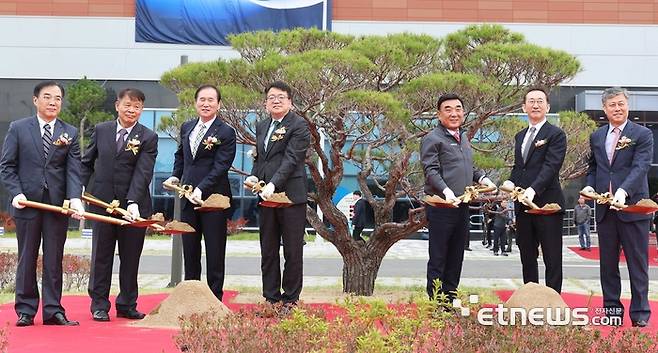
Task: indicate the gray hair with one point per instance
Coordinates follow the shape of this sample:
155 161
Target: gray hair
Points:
613 92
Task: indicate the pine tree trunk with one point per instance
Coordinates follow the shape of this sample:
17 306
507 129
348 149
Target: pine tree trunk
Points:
360 269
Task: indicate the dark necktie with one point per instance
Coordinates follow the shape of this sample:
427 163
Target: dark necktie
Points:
120 142
531 137
47 139
275 125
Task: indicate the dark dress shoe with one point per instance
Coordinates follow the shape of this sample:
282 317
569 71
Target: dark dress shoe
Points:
24 320
100 315
131 314
640 323
60 320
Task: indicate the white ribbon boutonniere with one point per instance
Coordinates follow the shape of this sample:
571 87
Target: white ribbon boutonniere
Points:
133 145
63 140
540 143
210 141
278 134
623 143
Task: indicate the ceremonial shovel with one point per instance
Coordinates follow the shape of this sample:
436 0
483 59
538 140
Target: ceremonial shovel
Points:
67 211
644 206
517 193
113 208
470 194
277 200
215 202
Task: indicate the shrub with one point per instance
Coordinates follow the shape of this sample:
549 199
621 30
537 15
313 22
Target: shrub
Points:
7 222
235 226
75 271
373 327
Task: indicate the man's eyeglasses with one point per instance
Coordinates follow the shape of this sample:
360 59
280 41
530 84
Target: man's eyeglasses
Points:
280 97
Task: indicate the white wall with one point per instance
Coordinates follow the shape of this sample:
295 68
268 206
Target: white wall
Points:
104 48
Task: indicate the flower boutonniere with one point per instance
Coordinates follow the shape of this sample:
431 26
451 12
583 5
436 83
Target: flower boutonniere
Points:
623 143
63 140
278 134
133 145
210 141
540 143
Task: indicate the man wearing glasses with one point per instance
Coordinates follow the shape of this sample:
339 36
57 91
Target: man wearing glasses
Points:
538 156
281 144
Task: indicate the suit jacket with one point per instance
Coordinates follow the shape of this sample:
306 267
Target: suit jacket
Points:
283 164
121 176
208 170
359 219
628 170
541 171
25 169
447 163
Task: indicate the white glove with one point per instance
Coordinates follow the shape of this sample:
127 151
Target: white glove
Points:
508 185
252 153
76 206
172 180
450 197
267 191
195 197
619 199
252 179
19 197
487 182
133 209
528 196
588 190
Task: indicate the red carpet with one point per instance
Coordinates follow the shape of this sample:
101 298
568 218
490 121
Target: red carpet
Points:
103 337
595 302
593 254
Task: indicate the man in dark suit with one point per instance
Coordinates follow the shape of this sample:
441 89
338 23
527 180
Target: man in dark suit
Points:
447 160
622 152
121 156
281 144
359 217
538 156
203 159
41 162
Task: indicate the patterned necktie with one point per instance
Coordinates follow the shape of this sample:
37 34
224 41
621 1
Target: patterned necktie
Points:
120 141
197 139
615 138
47 139
457 137
275 125
526 150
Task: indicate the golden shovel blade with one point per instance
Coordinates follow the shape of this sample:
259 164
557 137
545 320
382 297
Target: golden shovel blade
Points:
548 208
438 201
644 206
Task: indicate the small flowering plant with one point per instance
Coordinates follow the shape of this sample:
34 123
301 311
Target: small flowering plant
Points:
278 134
623 143
540 143
63 140
133 145
211 141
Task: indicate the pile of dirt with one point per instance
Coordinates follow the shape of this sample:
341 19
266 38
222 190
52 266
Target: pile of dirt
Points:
189 297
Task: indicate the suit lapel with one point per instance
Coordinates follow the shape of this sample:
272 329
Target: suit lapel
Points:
541 134
265 126
285 122
185 139
134 133
57 132
211 131
35 131
628 130
518 146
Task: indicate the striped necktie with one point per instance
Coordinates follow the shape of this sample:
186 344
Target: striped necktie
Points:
47 139
197 139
